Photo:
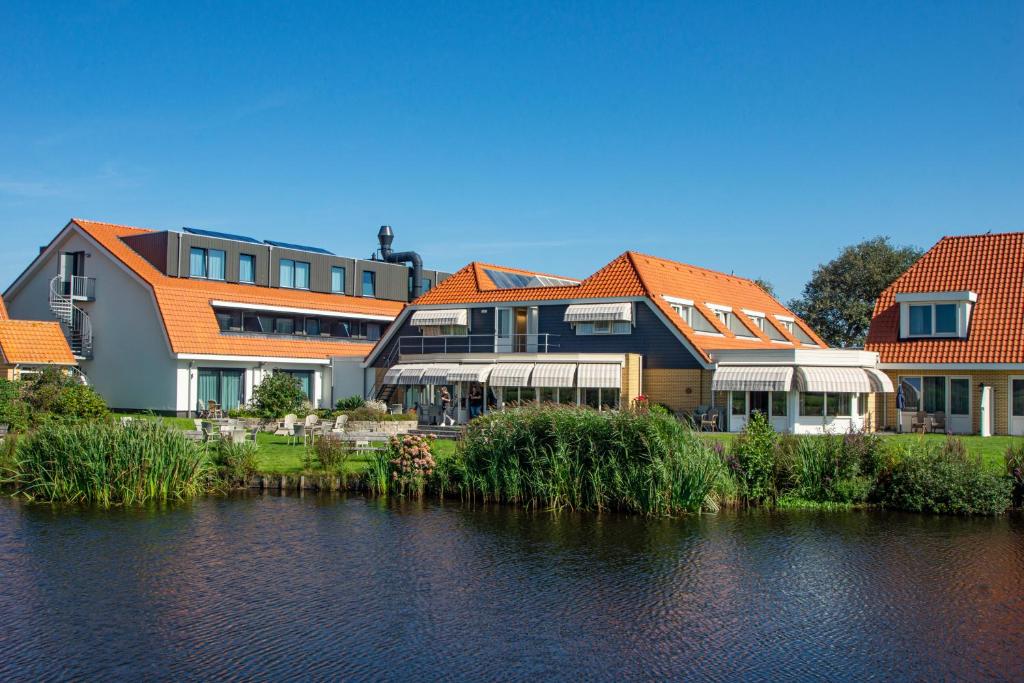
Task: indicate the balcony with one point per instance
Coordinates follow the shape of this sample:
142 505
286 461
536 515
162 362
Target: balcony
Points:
477 343
79 288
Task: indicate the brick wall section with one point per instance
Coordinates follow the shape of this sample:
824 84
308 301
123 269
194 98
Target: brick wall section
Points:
7 372
632 384
998 379
680 390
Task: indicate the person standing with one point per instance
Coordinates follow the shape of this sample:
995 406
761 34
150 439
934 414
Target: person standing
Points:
446 406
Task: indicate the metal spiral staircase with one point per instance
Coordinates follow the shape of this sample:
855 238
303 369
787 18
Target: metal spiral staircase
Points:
73 320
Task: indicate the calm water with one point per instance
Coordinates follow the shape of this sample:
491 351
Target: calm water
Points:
269 587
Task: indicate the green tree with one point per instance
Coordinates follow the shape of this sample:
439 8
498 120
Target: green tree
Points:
768 287
278 395
840 297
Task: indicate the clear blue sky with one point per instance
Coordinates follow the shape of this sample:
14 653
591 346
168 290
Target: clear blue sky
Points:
753 138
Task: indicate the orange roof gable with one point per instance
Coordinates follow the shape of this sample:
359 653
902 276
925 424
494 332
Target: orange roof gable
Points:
992 266
191 325
30 342
632 275
3 310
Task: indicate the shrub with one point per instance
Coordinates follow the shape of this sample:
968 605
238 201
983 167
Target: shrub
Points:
411 462
753 459
277 396
567 457
14 412
1015 470
80 401
826 467
44 390
942 479
235 462
332 454
350 403
102 462
866 449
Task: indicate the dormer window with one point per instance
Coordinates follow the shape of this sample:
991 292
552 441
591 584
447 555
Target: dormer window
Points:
935 314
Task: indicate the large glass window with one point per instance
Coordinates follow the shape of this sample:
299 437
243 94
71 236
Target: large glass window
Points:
934 394
301 275
779 403
305 378
313 327
247 268
959 396
197 262
837 405
338 279
739 403
945 318
369 283
812 404
921 319
911 393
284 325
287 273
1017 389
225 387
215 264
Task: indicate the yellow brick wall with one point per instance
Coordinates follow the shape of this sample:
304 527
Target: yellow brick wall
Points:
680 390
997 379
7 372
632 384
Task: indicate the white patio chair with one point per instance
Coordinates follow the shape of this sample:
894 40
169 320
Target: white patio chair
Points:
339 424
286 427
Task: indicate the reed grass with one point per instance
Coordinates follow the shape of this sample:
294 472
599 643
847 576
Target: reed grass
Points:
575 458
105 463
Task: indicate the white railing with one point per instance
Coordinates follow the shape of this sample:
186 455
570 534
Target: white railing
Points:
73 320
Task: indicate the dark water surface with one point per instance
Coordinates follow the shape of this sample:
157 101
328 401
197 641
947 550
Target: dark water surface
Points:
268 587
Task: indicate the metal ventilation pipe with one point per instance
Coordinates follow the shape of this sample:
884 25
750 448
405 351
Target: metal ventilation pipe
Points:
386 236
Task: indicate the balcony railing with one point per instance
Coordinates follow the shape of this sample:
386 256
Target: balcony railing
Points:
78 287
478 343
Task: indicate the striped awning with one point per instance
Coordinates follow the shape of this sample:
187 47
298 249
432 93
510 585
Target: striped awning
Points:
583 313
439 316
553 375
752 378
880 381
599 376
840 380
437 373
470 372
393 374
411 374
511 375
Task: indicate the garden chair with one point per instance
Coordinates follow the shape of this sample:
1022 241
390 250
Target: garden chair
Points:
939 422
285 427
298 432
339 424
709 421
125 421
199 424
920 422
213 409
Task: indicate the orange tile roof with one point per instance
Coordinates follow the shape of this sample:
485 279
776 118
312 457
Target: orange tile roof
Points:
638 275
992 266
3 310
32 342
189 319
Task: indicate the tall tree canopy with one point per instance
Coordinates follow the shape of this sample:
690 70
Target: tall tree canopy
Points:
839 299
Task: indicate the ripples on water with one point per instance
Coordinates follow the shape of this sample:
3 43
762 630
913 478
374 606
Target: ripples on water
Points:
269 587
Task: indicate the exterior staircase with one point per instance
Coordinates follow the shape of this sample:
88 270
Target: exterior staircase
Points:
451 433
73 320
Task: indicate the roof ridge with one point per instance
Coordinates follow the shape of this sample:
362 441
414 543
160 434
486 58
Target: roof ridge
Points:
648 292
113 225
978 235
633 253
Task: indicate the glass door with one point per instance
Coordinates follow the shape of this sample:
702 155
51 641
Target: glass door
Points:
503 331
958 419
1017 406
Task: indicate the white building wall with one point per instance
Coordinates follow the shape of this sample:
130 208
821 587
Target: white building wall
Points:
187 379
132 367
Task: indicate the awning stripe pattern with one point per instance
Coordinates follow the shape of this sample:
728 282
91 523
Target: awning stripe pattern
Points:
599 376
841 380
880 381
752 378
440 316
511 375
437 374
469 372
392 375
411 374
582 313
553 375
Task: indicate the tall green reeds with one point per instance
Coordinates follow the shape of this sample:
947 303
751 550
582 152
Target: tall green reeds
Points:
576 458
105 463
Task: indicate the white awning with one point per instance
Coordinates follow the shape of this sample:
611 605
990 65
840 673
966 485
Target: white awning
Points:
553 375
880 381
511 375
752 378
437 374
842 380
599 375
392 375
471 372
439 316
411 374
582 313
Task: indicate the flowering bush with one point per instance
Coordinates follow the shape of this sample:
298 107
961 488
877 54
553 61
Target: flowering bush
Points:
411 461
378 406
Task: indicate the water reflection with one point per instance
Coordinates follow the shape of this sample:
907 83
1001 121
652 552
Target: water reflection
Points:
270 586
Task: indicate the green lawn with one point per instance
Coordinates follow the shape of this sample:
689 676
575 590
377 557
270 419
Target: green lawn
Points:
275 456
991 449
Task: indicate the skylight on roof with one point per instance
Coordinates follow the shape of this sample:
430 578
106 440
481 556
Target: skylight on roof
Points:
506 280
298 247
220 235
